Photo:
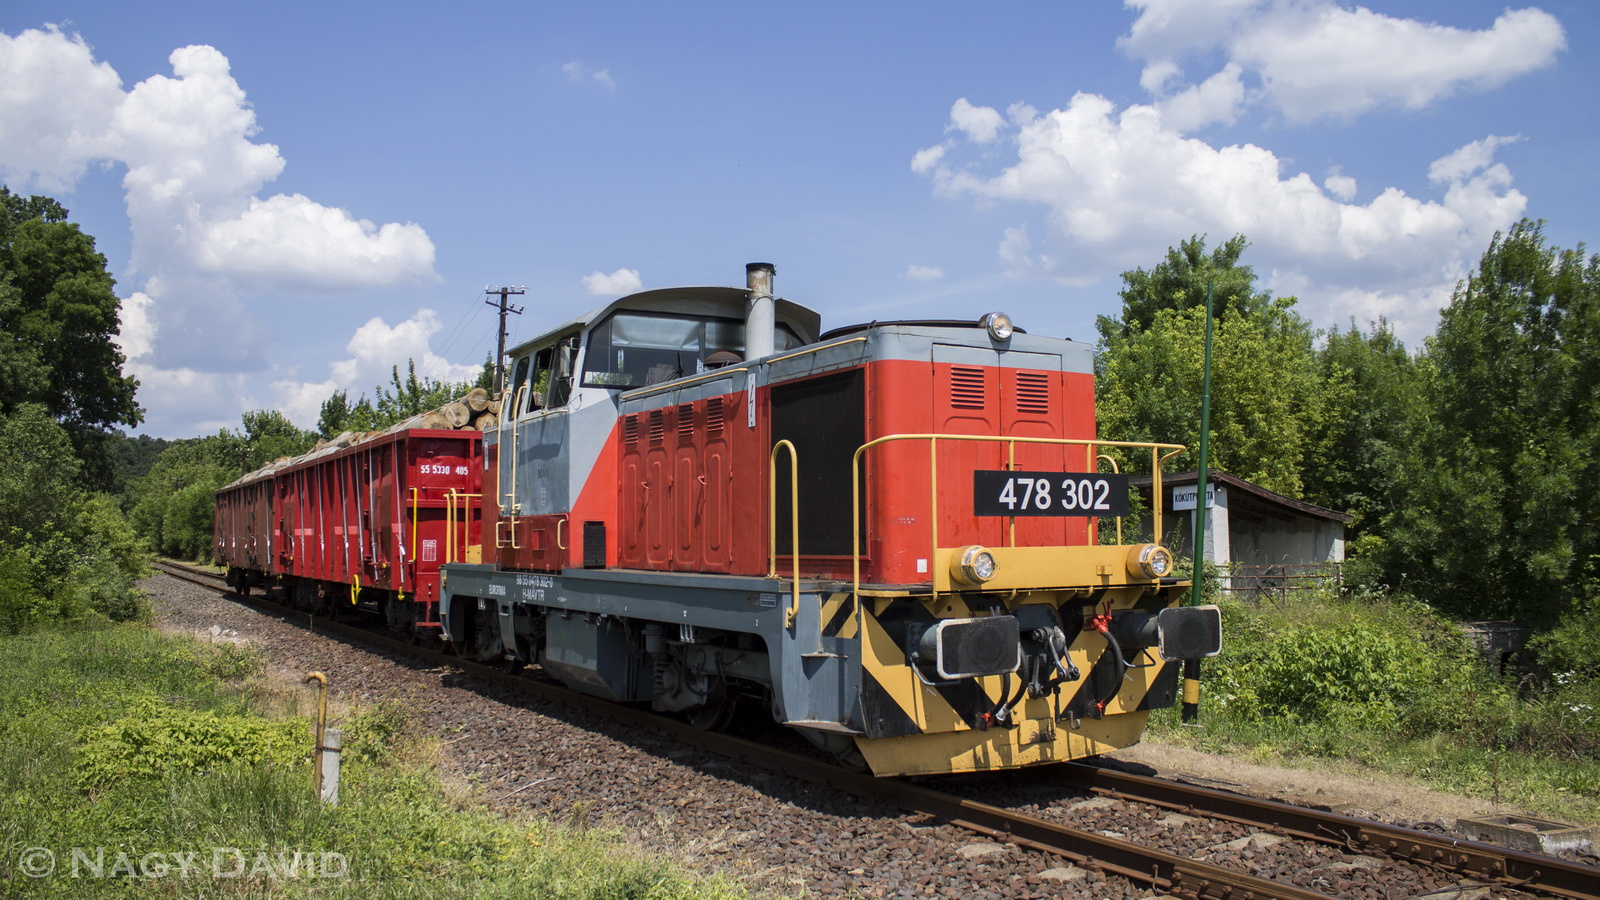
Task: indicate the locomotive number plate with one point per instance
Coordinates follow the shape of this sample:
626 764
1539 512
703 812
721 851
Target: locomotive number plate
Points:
1048 494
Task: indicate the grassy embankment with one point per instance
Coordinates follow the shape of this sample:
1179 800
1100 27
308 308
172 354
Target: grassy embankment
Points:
136 763
1389 685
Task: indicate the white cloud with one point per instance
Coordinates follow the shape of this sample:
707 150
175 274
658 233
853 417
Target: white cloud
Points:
1329 60
1016 252
1165 29
1156 75
291 242
980 123
375 348
203 239
185 402
924 160
577 72
617 284
137 333
923 273
1317 58
47 142
1219 98
1469 159
1119 186
1340 187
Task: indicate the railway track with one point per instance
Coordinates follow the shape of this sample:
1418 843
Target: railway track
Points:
1488 865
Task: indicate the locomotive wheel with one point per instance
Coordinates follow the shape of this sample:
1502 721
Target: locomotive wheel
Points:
486 639
715 715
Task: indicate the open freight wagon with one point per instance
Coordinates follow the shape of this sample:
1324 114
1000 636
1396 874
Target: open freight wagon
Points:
362 522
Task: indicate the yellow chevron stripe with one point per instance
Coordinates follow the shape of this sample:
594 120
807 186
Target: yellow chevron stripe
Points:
886 661
832 607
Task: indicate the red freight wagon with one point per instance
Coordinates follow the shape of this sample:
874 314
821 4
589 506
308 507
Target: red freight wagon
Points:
366 524
243 526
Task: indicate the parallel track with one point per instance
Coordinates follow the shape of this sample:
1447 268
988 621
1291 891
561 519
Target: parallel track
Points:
1488 863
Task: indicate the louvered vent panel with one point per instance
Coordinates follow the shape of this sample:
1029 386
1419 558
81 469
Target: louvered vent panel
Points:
1033 392
966 387
686 420
714 415
658 426
630 430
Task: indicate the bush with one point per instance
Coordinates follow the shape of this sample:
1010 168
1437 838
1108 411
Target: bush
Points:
1571 650
80 573
1366 663
164 742
1389 683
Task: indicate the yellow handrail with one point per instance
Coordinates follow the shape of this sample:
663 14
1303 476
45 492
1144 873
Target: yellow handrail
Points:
451 499
1156 461
1115 470
794 522
512 508
414 504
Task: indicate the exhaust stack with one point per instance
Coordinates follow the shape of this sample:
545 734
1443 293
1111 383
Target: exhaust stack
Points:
760 316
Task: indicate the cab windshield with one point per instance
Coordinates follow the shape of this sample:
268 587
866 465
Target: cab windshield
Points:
633 349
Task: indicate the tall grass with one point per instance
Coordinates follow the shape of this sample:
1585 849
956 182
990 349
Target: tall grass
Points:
142 766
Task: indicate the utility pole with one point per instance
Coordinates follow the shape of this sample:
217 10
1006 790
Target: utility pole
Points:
500 354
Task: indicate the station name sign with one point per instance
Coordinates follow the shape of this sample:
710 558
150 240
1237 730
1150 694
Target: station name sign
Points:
1184 497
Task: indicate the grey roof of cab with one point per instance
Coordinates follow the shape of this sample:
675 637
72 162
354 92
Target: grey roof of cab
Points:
721 301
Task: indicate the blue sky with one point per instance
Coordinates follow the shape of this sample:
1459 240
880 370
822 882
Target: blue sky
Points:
295 197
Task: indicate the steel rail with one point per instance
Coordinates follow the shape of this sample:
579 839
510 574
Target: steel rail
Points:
1163 871
1503 866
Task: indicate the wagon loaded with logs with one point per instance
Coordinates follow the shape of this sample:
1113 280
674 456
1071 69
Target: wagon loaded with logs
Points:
477 411
364 520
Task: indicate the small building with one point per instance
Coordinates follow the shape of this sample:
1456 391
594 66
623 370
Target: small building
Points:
1259 539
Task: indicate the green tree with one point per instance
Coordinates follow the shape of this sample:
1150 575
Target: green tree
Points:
1266 395
1179 282
58 313
172 505
335 412
1374 391
269 436
1501 516
132 458
39 482
66 556
412 395
339 415
486 375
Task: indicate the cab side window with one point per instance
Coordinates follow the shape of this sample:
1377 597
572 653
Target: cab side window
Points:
550 380
519 377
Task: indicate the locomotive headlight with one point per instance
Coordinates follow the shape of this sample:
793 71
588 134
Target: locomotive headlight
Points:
999 325
1149 561
973 565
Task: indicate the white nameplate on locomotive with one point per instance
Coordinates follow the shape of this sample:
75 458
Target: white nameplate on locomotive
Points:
1048 494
